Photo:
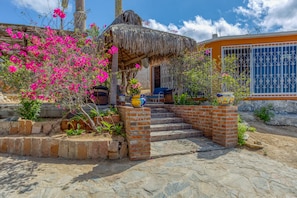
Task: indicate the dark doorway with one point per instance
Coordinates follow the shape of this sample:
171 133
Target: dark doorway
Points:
157 77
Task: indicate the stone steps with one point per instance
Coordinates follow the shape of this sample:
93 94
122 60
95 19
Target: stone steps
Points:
174 134
166 120
166 126
162 115
170 126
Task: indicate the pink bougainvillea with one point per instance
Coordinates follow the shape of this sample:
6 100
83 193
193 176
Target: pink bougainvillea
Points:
12 69
59 12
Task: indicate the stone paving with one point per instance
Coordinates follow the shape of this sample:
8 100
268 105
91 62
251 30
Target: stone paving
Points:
217 173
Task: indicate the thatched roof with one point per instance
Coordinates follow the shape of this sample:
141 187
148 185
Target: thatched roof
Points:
136 42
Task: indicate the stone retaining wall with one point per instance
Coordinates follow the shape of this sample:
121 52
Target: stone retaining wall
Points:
285 111
218 123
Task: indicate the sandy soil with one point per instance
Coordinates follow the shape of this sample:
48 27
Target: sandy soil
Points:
279 142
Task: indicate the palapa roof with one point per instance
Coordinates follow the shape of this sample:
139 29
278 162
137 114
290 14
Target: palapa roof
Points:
136 42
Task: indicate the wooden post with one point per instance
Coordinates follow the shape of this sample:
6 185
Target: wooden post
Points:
80 16
114 80
118 8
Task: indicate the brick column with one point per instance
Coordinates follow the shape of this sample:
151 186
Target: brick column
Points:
137 123
224 125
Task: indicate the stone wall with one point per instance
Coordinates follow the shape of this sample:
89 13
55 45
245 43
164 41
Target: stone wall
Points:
285 111
218 123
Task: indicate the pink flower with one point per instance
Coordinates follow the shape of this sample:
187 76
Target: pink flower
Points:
207 52
103 62
34 86
20 35
59 12
113 50
23 53
9 31
14 59
12 69
93 25
225 75
102 77
137 66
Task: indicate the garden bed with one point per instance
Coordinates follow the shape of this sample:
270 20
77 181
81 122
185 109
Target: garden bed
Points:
45 139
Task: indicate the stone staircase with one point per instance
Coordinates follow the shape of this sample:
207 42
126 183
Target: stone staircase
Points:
166 126
170 135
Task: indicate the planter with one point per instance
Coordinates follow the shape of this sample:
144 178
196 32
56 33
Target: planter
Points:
137 101
225 98
110 119
101 95
168 97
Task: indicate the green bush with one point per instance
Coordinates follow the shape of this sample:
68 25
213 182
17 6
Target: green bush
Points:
30 109
183 99
242 128
77 131
265 113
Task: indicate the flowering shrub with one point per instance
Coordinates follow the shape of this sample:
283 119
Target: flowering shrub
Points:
58 66
135 87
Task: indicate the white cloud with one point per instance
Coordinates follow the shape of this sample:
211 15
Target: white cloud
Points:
271 15
199 29
40 6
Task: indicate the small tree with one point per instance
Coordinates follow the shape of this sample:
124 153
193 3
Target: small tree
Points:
58 66
199 74
235 80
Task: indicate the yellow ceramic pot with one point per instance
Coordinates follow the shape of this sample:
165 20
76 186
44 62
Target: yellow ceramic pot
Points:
225 98
137 101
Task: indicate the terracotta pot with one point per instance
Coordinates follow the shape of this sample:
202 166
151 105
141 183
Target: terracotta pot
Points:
116 118
97 120
64 125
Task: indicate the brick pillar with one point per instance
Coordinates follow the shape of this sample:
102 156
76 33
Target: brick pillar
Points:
224 126
137 123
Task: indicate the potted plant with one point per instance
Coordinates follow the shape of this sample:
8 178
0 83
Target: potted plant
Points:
134 91
226 97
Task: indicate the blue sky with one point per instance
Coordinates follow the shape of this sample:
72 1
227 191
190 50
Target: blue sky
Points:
198 19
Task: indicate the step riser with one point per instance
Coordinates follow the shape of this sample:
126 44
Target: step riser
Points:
159 111
162 115
166 121
169 128
175 136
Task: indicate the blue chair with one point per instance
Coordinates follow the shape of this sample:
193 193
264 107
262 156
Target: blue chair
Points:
157 95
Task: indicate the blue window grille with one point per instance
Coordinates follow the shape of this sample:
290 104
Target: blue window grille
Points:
272 67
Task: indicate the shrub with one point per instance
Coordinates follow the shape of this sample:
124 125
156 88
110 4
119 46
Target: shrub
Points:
77 131
265 113
242 128
30 109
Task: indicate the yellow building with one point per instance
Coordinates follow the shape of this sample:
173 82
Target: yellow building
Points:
270 60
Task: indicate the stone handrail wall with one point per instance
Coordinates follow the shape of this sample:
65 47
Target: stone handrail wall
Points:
137 123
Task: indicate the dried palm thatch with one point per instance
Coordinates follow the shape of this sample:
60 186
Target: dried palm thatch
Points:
136 42
139 42
128 17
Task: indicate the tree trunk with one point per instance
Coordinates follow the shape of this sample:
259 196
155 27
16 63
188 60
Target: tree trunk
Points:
118 8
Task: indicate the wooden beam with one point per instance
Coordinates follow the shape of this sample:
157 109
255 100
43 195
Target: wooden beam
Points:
114 80
135 60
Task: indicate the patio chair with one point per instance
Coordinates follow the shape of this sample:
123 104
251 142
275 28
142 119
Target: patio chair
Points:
158 94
